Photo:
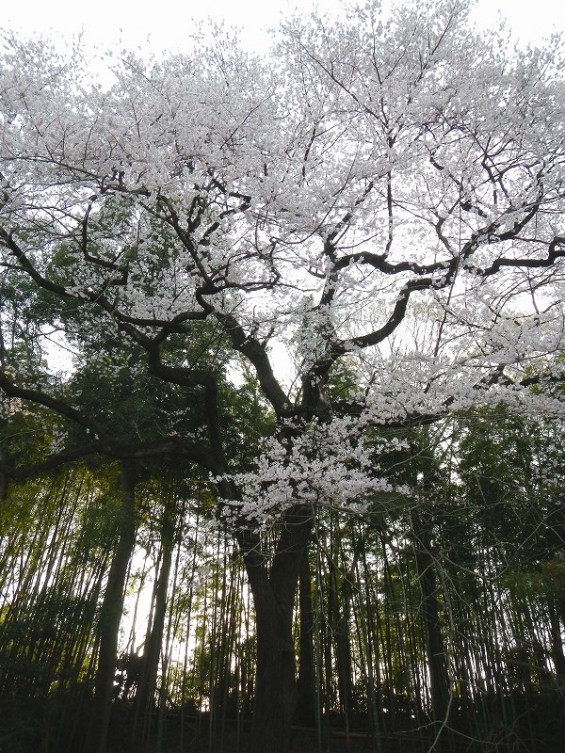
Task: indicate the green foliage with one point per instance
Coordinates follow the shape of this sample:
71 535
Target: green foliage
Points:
545 581
246 418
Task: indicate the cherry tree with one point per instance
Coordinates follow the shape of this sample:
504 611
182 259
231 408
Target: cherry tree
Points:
386 191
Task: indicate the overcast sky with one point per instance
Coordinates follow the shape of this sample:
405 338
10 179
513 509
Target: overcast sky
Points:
167 24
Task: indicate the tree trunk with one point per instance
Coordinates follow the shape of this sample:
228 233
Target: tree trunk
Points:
275 691
110 616
274 590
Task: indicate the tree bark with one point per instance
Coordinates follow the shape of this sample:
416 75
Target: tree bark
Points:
275 694
274 590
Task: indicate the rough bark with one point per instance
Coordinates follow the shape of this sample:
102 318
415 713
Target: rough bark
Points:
274 591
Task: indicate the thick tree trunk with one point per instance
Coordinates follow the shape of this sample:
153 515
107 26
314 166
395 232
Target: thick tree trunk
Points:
274 590
110 616
275 687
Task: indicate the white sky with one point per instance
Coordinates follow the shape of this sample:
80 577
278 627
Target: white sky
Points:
167 24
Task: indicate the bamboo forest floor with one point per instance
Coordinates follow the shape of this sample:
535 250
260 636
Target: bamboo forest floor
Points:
535 736
25 731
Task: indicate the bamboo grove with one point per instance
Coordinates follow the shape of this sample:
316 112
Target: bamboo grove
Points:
433 623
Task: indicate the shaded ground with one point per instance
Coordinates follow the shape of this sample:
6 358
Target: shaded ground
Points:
41 727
